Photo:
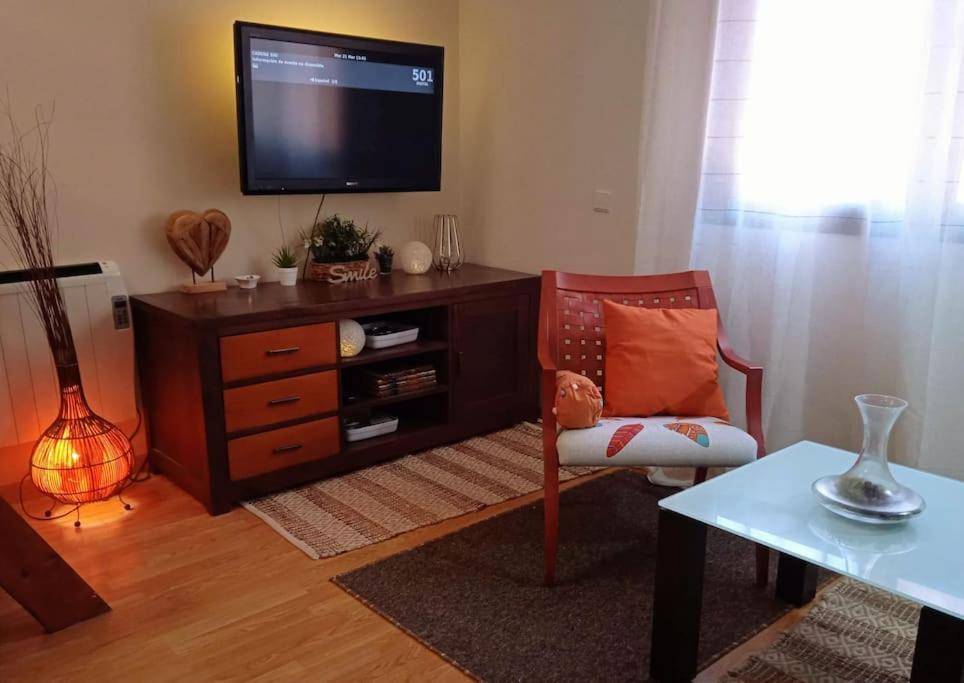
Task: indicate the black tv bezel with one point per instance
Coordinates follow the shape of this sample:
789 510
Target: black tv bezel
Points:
245 31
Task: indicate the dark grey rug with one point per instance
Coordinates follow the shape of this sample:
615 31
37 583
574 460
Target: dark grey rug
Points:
476 596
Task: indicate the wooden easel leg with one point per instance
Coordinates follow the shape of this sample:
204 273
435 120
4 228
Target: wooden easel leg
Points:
41 580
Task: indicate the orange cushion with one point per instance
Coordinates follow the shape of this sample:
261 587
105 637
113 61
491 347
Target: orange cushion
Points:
661 361
578 401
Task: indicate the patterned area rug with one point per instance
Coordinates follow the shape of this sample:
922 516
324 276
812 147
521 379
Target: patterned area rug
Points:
853 633
336 515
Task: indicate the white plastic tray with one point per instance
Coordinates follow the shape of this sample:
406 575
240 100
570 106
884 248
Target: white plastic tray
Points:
385 340
361 433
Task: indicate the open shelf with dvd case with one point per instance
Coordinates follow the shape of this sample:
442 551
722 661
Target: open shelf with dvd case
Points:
377 380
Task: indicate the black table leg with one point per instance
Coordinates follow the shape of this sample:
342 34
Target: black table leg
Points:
939 655
681 550
796 580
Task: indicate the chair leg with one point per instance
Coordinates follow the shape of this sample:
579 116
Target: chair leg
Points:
700 475
762 565
551 505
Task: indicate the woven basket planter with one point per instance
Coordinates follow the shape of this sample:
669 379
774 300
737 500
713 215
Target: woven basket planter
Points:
342 272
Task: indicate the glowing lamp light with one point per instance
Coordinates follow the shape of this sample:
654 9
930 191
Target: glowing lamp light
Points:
415 258
81 457
352 337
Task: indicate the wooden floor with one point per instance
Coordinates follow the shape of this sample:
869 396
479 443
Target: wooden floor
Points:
198 598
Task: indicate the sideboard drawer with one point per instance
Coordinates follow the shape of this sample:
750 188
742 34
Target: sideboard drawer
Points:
259 354
283 399
250 456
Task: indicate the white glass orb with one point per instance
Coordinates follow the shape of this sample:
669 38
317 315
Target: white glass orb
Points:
352 338
415 258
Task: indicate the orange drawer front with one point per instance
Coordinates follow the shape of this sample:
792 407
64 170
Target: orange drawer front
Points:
273 352
283 399
250 456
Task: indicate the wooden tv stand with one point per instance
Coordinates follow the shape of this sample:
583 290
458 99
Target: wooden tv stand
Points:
244 391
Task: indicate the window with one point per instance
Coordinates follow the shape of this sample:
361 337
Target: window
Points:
833 103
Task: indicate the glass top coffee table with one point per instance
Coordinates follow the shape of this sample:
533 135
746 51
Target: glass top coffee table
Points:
770 502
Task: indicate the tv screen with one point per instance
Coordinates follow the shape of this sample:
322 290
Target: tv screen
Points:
320 112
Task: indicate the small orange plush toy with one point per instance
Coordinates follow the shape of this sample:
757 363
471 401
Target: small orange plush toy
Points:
578 401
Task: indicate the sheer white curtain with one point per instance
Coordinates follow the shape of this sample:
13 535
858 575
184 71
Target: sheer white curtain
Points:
831 214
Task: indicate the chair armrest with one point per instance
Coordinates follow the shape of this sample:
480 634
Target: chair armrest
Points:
731 358
754 388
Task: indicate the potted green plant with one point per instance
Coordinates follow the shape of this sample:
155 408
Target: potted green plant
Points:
338 250
384 255
286 265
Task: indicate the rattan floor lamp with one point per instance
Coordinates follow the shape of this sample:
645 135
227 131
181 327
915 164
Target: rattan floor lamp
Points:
81 457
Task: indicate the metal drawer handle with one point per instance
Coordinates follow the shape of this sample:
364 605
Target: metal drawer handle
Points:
283 400
284 351
287 448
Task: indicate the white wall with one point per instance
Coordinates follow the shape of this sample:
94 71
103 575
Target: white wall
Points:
145 121
551 105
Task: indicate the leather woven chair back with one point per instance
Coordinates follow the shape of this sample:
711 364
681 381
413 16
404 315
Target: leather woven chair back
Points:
572 307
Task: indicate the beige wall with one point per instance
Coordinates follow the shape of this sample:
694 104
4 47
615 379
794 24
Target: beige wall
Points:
551 111
145 121
145 124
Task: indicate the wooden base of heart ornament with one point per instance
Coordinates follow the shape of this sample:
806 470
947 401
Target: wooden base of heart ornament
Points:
203 287
199 240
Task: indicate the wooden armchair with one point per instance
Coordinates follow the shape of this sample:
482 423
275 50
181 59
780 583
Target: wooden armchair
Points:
571 337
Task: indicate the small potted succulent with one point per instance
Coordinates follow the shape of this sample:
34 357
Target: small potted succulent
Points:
384 255
286 264
338 250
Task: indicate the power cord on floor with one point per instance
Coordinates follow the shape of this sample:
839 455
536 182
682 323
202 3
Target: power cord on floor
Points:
140 475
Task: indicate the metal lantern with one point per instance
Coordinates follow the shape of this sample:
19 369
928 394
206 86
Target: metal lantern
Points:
448 254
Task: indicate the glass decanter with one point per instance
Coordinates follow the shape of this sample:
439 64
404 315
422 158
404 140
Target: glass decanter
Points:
868 492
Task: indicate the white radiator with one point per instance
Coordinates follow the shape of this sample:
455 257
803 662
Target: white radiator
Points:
99 315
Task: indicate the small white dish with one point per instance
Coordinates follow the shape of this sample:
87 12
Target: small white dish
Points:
247 281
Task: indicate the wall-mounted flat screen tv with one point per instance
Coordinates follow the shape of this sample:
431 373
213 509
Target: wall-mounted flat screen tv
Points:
321 112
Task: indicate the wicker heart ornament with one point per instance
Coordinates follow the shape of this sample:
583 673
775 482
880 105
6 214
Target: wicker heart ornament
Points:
198 239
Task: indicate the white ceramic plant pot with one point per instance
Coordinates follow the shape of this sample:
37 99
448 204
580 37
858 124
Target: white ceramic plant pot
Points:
287 276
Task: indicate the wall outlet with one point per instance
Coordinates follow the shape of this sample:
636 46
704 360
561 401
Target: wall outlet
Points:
602 201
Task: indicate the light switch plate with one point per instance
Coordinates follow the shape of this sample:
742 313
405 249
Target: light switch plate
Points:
602 201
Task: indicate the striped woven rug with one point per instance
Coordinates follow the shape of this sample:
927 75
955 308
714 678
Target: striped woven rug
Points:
344 513
853 633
